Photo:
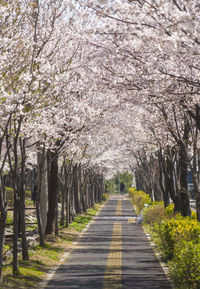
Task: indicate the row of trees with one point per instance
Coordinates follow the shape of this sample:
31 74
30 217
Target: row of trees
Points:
90 88
151 62
46 120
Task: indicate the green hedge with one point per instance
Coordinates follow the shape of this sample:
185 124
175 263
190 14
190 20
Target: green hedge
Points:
185 270
176 237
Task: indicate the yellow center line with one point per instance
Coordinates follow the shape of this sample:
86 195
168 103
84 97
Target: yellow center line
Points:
113 274
119 208
131 220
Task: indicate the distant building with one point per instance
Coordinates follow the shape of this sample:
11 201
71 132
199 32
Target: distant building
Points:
190 185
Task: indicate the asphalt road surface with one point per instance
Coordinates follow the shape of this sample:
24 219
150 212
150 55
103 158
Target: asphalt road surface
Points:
114 253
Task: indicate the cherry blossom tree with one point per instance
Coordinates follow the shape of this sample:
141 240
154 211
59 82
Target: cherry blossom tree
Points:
90 88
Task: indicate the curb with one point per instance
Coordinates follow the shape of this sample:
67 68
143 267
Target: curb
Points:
52 271
158 256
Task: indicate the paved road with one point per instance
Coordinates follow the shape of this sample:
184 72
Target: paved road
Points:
113 254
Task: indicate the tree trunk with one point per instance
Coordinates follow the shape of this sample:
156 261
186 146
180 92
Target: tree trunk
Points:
38 215
86 192
92 192
72 210
67 187
162 177
2 233
197 195
172 177
52 192
195 177
77 190
25 255
83 201
184 198
43 195
63 203
40 173
15 232
95 188
3 221
56 219
138 180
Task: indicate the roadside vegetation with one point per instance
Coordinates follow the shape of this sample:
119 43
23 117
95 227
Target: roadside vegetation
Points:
177 238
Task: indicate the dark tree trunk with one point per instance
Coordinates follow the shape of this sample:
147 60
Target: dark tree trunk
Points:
196 115
80 188
56 219
38 215
13 164
184 197
139 181
83 195
38 185
67 187
25 254
101 188
63 203
195 177
72 205
77 190
86 191
15 232
3 219
197 195
92 193
162 178
52 192
172 178
3 222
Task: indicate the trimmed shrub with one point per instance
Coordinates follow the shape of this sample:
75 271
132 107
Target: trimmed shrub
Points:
186 267
154 213
173 233
139 199
177 237
165 241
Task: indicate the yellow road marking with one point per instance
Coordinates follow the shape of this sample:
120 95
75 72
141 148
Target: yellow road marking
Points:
119 208
113 274
132 220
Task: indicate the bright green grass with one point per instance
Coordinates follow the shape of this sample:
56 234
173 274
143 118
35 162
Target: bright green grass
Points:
80 222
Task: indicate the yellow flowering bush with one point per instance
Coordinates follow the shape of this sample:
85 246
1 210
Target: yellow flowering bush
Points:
173 232
177 237
185 270
169 211
139 199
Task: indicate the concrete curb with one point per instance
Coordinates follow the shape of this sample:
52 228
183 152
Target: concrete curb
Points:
158 256
52 271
